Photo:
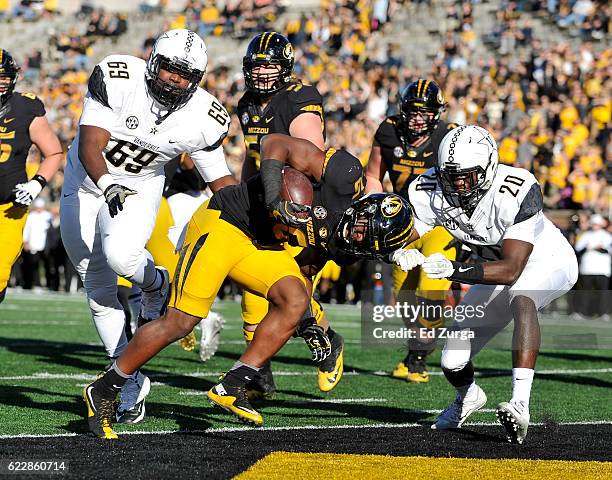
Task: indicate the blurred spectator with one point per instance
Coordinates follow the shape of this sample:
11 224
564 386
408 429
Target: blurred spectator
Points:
34 243
594 248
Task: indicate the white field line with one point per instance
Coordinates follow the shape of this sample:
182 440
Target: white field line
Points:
83 376
303 427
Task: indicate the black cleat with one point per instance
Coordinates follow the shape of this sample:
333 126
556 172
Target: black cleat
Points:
262 387
233 398
100 412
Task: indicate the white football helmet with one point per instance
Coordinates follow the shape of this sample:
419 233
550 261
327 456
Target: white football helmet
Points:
179 51
467 163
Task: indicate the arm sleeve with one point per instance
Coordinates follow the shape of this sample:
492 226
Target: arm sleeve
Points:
211 164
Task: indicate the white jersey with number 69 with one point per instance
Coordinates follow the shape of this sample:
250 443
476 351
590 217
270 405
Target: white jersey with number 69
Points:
510 209
140 144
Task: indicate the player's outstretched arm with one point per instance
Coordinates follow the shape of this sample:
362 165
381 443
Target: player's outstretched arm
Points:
375 170
506 271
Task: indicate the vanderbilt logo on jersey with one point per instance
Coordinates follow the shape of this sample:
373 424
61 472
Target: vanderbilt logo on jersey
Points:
398 152
319 212
131 122
245 118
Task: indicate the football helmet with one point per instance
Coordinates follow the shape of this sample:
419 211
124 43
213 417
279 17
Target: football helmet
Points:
466 166
421 96
178 51
374 226
268 49
8 68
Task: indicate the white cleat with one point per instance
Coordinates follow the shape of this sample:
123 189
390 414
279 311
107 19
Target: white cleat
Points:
212 326
459 411
514 416
133 394
154 302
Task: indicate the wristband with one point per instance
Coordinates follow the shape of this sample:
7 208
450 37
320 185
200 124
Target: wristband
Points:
471 273
40 179
271 172
105 181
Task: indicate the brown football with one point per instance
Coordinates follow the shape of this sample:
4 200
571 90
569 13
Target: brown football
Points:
296 187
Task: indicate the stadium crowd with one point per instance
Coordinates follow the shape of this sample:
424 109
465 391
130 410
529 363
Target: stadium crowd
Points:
549 108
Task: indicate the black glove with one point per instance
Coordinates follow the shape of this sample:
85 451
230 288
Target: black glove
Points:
316 339
115 195
287 212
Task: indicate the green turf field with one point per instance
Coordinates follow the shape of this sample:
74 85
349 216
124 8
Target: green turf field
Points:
49 349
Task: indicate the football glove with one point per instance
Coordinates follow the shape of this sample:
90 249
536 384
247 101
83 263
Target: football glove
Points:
407 259
438 266
316 339
25 193
115 196
287 212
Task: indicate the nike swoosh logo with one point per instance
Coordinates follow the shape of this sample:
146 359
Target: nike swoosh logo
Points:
68 194
117 386
268 120
461 269
247 378
91 403
171 141
9 120
489 228
428 154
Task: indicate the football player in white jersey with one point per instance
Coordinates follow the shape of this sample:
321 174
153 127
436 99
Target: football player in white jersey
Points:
497 211
137 116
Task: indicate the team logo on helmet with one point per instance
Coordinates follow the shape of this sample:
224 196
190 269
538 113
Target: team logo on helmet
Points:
319 212
288 51
398 152
440 96
245 118
131 122
391 206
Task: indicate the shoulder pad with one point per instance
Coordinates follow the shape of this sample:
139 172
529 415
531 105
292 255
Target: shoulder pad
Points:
29 95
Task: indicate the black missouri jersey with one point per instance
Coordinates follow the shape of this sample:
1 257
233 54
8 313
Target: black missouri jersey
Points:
15 140
243 205
276 117
404 163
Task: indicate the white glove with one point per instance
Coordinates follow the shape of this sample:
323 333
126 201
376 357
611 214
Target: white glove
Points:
438 266
25 193
407 259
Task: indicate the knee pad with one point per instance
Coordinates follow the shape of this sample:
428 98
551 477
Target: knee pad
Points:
124 262
455 357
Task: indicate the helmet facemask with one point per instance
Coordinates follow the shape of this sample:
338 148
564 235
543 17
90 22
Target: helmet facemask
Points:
165 93
9 71
265 83
463 188
355 231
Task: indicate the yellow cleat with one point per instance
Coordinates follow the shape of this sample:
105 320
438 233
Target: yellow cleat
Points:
233 399
418 377
401 371
100 413
331 369
188 342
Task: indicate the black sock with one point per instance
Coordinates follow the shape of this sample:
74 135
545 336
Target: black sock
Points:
111 382
240 376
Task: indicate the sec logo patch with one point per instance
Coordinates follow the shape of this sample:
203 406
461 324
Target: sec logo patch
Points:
131 122
398 152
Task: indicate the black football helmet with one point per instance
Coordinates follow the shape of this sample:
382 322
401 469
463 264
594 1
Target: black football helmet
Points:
8 68
374 226
421 96
268 48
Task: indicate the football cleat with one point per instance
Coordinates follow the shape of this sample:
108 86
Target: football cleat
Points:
514 416
100 412
331 369
401 371
133 394
262 387
233 398
188 342
459 411
212 326
154 302
417 368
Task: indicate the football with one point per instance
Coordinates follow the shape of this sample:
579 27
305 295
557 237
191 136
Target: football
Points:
296 187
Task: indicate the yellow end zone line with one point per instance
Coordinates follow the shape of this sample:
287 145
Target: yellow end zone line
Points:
294 427
280 465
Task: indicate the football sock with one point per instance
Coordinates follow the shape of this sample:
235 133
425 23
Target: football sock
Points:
112 381
467 391
240 374
522 378
156 284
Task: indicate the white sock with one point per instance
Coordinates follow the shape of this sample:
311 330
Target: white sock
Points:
467 391
522 378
